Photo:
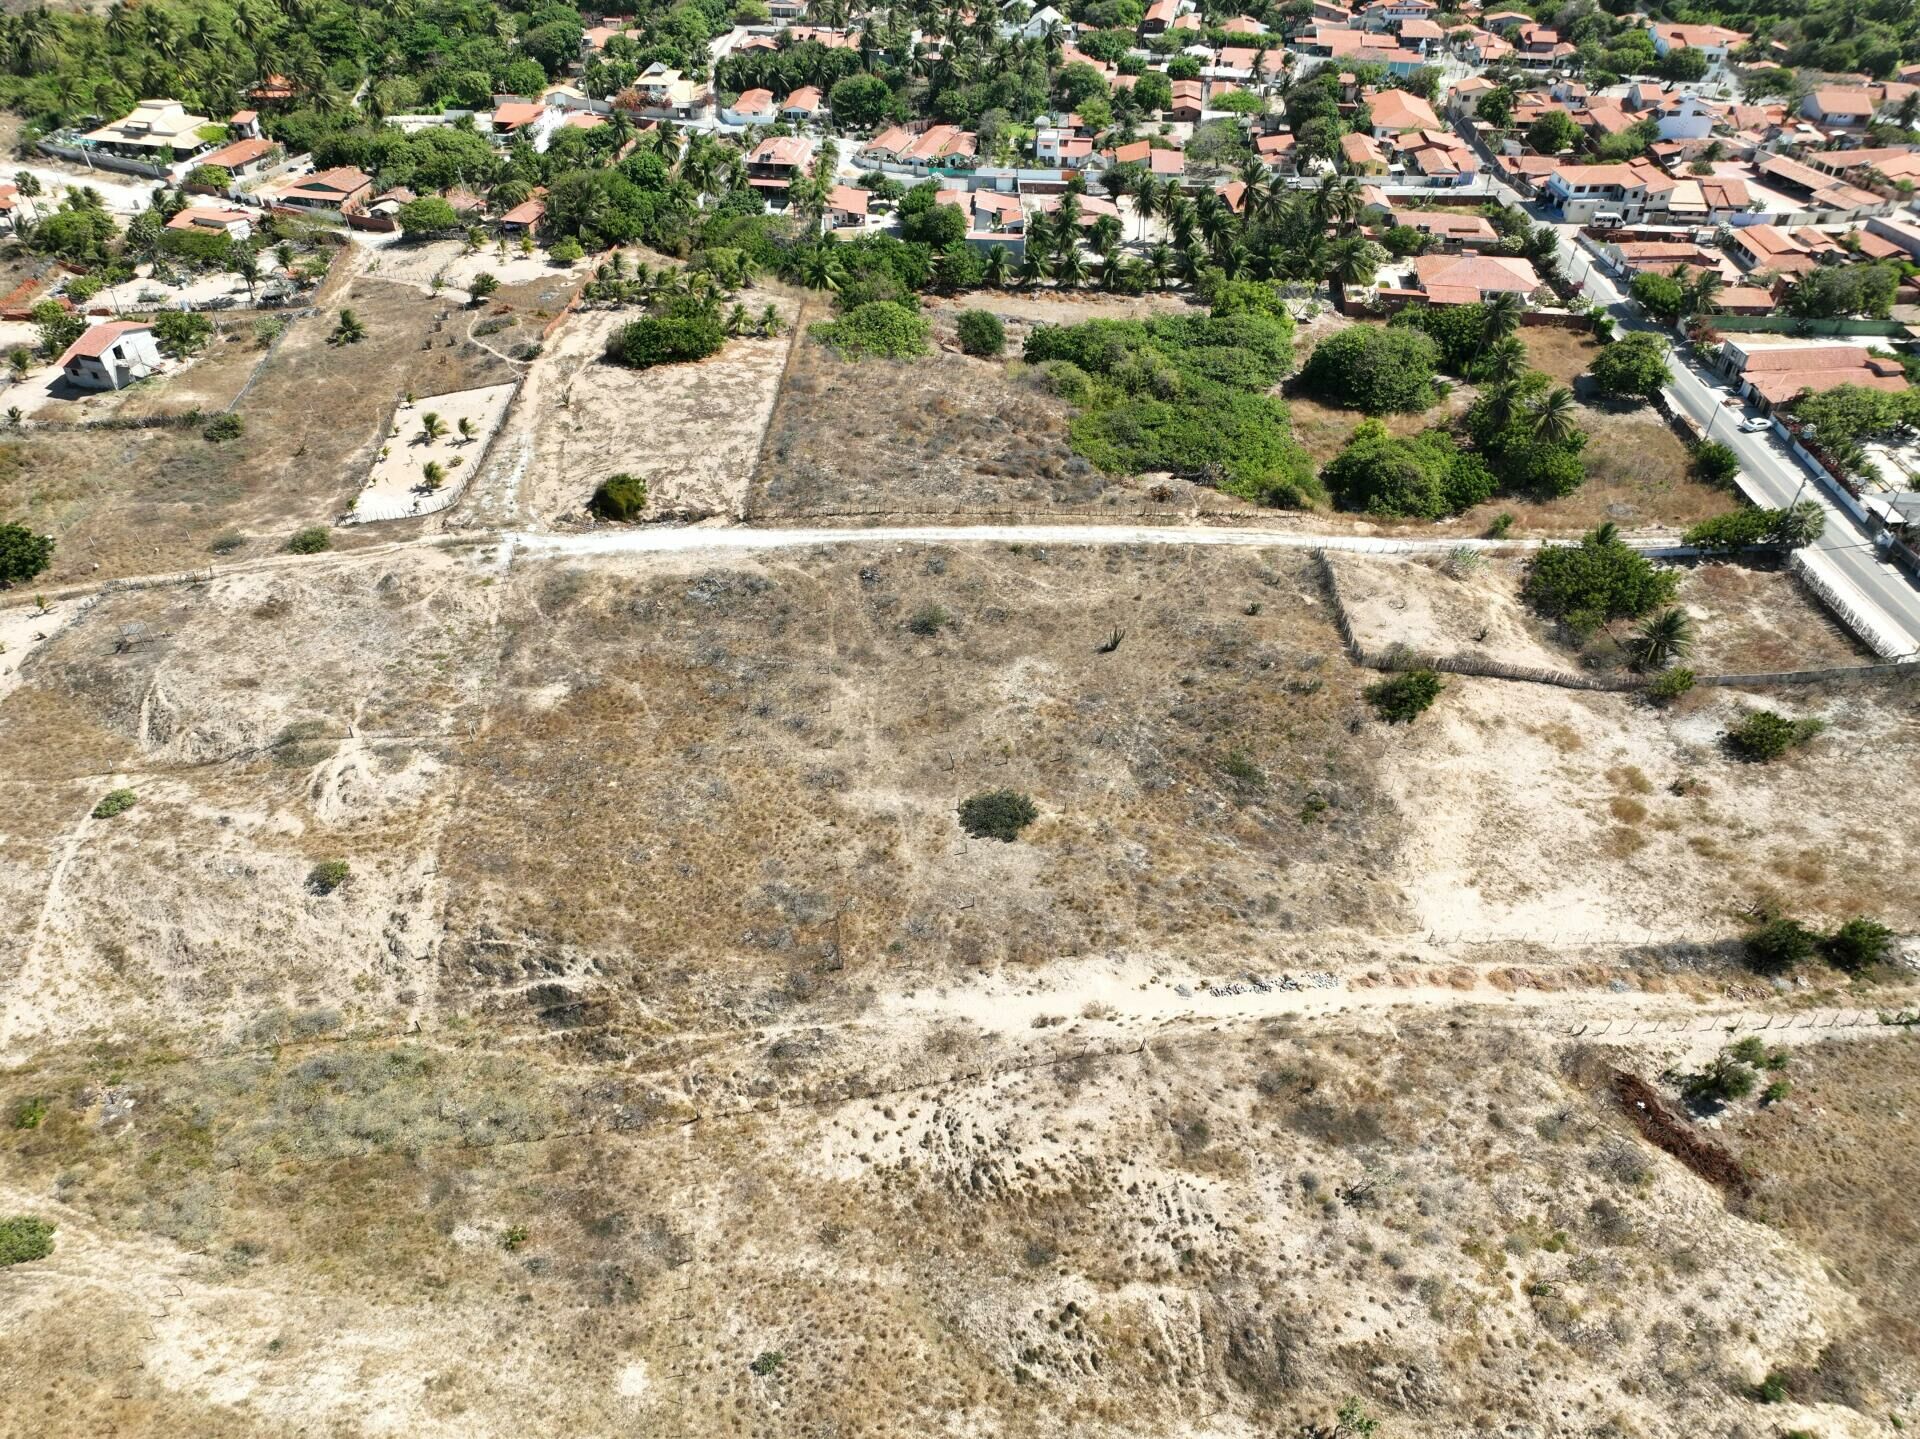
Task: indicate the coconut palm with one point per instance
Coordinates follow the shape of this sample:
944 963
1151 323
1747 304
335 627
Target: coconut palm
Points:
1661 639
995 272
1112 268
1553 415
432 427
1500 315
432 476
1704 298
1502 362
1069 266
1180 221
819 269
1147 200
1033 265
1353 261
1160 264
467 430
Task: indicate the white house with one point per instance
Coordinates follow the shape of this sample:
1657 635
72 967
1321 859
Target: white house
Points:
1714 41
111 356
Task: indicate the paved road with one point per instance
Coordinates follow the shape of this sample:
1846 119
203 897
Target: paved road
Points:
1843 557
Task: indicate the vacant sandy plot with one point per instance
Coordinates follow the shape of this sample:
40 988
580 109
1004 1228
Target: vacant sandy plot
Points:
1464 607
449 432
123 501
452 265
672 1063
692 432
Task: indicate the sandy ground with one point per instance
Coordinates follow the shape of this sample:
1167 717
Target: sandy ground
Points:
450 263
692 432
394 487
672 1063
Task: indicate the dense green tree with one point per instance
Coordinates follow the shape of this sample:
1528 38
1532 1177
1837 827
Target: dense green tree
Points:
1599 580
1374 368
1425 476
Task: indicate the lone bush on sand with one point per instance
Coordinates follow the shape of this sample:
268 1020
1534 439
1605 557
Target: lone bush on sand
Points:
997 814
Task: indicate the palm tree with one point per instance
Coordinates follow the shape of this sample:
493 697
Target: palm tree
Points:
1500 315
1160 264
1661 639
819 269
995 272
1033 264
432 427
1147 196
467 430
1502 362
1215 219
1353 261
1069 267
1180 222
1553 415
432 476
1503 401
1706 290
1110 268
348 331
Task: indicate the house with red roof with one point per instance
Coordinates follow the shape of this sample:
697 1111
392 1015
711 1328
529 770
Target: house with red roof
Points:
776 162
212 220
333 190
111 356
1466 279
847 207
1773 374
242 157
754 107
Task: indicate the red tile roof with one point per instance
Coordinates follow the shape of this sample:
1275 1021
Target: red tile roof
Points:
99 338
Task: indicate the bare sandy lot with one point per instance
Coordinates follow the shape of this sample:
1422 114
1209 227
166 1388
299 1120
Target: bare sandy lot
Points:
692 432
671 1062
449 431
451 264
144 501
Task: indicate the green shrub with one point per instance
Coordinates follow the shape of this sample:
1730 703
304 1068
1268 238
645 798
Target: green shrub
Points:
1857 945
1600 579
929 619
1778 944
619 497
1776 1091
1715 464
768 1363
514 1238
1501 527
1669 685
1735 530
23 1239
1727 1078
567 251
666 340
1506 425
981 333
227 541
1241 444
880 329
1763 735
23 554
1425 476
997 814
1773 1389
181 332
227 426
116 801
310 541
328 875
30 1112
1377 369
1634 367
1404 697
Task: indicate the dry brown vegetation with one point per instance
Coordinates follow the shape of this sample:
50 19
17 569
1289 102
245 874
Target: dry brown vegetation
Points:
142 501
671 1062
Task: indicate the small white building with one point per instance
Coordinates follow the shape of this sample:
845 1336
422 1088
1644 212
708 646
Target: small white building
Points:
111 356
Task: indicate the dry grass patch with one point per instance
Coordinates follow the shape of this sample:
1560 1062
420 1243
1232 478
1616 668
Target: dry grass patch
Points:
124 502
